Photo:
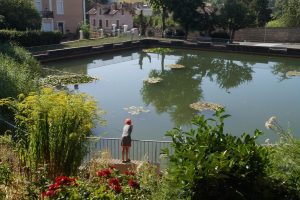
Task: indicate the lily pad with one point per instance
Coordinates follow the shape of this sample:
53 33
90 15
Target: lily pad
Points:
158 50
293 73
175 66
153 80
135 110
55 80
201 106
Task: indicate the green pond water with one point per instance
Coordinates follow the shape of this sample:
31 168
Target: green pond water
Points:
252 88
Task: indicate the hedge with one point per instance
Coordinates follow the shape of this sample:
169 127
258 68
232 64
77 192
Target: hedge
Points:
30 38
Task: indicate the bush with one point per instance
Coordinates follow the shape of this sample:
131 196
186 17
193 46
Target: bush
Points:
278 23
30 38
209 164
57 125
19 71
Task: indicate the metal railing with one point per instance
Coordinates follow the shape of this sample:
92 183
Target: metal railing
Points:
149 150
141 150
47 14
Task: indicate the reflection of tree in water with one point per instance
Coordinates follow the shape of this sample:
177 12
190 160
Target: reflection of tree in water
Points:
180 88
143 55
174 94
228 73
282 68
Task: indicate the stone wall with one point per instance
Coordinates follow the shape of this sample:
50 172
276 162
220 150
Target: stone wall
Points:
268 35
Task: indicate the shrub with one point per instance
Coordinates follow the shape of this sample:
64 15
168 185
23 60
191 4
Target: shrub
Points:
30 38
285 157
56 125
209 164
15 78
278 23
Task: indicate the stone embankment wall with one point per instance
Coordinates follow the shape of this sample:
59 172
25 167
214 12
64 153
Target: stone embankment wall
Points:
289 35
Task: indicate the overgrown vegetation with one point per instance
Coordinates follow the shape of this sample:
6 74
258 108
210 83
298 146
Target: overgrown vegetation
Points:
209 164
30 38
52 129
19 71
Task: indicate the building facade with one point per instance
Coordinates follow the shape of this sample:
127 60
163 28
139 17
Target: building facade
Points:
61 15
103 16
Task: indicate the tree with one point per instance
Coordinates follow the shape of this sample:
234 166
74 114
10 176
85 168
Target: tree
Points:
261 11
235 15
161 5
291 15
19 14
91 3
186 13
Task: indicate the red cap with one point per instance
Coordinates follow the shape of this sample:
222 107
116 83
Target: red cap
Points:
127 121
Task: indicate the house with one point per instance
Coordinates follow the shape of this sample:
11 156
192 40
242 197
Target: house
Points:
103 16
61 15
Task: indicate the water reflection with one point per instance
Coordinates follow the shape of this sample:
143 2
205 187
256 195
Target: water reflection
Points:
180 88
281 69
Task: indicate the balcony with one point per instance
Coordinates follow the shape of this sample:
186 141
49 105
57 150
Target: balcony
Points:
47 14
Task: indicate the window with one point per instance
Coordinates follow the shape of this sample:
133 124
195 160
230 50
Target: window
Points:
60 7
94 22
122 11
100 23
100 11
106 23
118 23
38 5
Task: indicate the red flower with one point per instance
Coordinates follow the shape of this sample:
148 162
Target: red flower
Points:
113 181
117 188
49 193
133 184
64 180
104 173
129 173
53 186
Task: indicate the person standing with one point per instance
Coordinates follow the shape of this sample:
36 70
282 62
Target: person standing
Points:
126 139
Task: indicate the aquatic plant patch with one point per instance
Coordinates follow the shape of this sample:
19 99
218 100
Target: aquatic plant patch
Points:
54 80
158 50
293 73
175 66
201 106
153 80
135 110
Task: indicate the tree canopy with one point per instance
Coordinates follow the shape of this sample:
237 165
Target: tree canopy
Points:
19 14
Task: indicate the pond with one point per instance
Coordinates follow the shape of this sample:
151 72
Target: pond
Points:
252 88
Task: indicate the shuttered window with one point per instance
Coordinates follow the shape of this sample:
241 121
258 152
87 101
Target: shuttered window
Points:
60 7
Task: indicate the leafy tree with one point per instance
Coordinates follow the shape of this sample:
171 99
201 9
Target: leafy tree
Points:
162 6
91 3
19 15
186 13
235 15
291 14
261 11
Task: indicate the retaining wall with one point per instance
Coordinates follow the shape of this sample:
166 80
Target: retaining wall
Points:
52 55
268 35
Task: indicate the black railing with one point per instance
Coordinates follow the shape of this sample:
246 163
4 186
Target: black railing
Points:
142 150
47 14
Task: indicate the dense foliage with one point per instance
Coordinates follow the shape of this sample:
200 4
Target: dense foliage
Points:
19 14
209 164
53 127
19 71
30 38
